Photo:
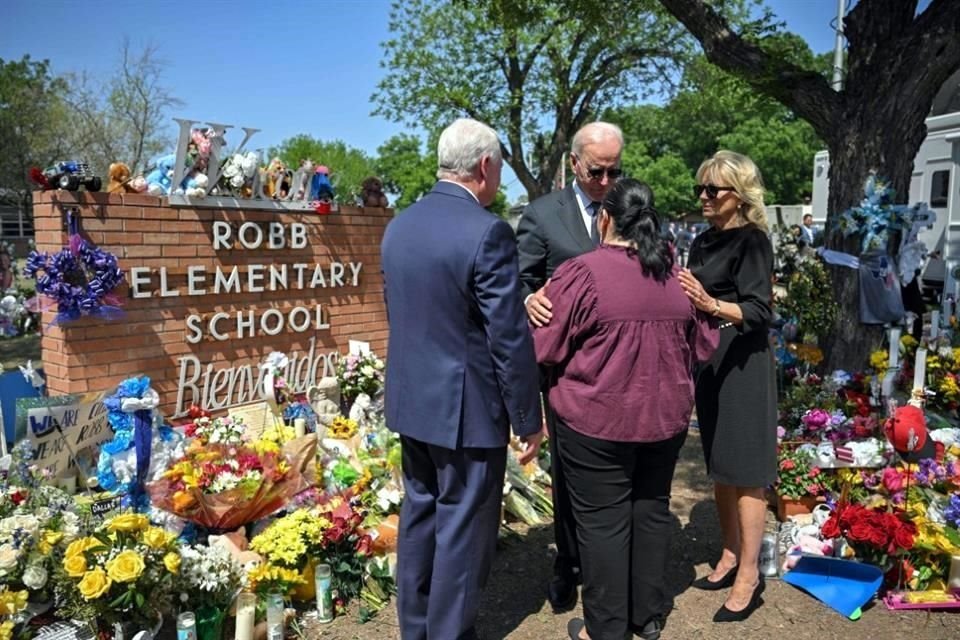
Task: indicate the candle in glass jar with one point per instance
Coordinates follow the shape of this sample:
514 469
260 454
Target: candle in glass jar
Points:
300 427
953 580
276 628
934 324
246 616
894 347
920 370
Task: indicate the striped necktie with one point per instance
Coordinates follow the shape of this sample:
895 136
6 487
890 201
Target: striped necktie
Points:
592 209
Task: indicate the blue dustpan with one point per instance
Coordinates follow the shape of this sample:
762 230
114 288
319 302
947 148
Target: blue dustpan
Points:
842 585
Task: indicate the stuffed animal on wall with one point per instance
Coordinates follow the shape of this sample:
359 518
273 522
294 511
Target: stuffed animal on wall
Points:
372 194
320 187
303 183
120 181
159 180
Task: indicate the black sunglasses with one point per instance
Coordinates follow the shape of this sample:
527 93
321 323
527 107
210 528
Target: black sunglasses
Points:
712 190
596 173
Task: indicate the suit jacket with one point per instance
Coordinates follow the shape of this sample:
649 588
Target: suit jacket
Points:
461 366
550 232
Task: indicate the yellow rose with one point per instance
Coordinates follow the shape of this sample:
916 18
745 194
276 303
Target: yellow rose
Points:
126 566
52 537
44 548
94 584
128 522
156 538
6 630
80 545
75 566
172 562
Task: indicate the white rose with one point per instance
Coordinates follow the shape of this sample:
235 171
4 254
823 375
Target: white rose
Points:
70 527
367 370
35 577
9 557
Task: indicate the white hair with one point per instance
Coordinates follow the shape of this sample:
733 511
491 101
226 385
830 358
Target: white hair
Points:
462 145
593 133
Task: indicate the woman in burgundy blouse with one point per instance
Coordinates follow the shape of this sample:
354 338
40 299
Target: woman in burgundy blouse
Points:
622 344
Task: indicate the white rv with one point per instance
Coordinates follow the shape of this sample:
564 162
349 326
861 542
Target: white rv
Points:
935 180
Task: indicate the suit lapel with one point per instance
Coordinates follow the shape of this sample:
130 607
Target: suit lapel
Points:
573 220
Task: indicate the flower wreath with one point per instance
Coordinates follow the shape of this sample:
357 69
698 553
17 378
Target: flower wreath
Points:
80 278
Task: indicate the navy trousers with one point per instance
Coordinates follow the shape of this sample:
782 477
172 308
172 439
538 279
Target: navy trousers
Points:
447 538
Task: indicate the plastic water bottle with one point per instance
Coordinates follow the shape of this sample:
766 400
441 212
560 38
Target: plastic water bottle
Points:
186 626
768 556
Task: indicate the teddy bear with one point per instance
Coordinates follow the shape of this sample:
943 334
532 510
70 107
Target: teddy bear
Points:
372 193
120 181
159 180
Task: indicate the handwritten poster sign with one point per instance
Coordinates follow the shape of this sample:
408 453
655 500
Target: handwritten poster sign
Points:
62 428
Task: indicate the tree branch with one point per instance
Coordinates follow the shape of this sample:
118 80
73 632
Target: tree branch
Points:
805 92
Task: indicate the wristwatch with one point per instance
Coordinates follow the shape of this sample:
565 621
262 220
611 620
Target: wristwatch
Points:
716 308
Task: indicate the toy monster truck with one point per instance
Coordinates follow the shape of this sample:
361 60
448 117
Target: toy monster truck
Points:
70 175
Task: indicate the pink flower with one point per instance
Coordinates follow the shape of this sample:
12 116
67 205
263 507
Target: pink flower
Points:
815 419
892 480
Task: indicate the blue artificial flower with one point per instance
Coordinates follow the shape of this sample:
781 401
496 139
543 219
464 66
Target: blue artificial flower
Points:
133 387
952 512
841 378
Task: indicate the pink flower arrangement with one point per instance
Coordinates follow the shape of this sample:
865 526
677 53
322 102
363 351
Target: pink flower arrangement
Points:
815 419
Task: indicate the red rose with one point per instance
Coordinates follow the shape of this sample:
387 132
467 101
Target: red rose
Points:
813 473
787 465
860 531
831 528
878 538
903 538
364 546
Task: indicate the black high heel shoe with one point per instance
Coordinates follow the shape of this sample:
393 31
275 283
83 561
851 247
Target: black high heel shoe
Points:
706 584
726 615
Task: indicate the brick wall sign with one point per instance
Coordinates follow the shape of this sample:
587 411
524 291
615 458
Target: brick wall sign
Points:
211 290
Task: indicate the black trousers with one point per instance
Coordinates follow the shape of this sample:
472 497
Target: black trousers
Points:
620 493
564 525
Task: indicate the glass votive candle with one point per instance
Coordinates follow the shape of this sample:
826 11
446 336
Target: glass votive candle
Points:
323 577
246 616
186 626
275 621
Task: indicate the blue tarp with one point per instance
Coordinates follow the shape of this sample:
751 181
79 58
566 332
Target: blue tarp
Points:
12 386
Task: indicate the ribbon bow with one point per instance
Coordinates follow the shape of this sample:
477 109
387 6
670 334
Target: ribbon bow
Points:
149 402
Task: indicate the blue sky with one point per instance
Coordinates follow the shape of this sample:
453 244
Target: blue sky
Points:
285 67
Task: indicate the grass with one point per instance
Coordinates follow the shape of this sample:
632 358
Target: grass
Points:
16 351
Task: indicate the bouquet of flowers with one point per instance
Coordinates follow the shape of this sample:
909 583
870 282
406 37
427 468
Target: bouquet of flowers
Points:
228 431
209 578
34 518
805 305
876 535
220 486
360 374
123 572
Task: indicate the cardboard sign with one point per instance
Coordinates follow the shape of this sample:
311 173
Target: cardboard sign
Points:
62 428
257 416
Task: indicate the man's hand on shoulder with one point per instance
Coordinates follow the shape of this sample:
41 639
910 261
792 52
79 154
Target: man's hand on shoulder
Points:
539 307
530 447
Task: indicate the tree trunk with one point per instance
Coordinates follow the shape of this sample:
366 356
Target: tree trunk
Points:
885 142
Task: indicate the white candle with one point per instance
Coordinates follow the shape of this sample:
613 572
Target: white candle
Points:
246 616
947 310
934 324
300 427
953 578
887 386
920 370
894 347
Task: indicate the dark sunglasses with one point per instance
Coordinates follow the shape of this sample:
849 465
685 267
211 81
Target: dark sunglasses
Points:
596 173
712 190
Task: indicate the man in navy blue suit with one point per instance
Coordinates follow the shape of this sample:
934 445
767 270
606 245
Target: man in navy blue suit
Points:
460 370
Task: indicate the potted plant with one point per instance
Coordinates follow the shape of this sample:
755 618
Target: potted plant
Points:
800 483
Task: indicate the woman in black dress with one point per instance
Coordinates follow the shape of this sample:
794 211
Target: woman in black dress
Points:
730 276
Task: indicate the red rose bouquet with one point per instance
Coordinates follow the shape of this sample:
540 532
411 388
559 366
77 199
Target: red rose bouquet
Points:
876 535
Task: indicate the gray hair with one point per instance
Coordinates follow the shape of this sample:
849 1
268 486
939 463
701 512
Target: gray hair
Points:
462 145
593 133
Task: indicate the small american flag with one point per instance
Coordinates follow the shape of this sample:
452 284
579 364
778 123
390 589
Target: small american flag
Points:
844 454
